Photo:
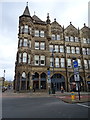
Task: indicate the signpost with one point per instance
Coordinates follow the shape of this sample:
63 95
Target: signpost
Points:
76 76
49 80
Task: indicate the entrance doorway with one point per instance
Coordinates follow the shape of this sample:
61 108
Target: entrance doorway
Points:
57 81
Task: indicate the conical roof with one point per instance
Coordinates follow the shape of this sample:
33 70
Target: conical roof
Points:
26 11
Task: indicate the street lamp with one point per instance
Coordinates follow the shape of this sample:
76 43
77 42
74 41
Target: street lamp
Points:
76 75
3 78
53 71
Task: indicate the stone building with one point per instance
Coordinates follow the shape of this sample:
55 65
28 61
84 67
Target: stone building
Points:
45 55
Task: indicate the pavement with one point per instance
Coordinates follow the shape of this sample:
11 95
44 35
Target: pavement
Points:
66 96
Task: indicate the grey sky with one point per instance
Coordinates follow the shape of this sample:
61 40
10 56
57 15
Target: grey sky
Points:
64 11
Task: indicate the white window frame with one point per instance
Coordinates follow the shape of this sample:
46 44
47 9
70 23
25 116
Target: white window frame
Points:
51 62
36 59
53 37
79 63
84 51
66 38
28 58
57 62
36 33
69 63
24 57
50 48
61 48
86 64
42 58
73 50
25 42
62 62
84 40
56 48
71 39
68 49
42 46
26 29
37 45
58 37
77 50
42 34
76 39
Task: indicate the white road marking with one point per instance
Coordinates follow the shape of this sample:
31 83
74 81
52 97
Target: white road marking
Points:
83 105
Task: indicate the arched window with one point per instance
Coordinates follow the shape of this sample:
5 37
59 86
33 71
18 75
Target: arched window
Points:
26 29
23 76
24 57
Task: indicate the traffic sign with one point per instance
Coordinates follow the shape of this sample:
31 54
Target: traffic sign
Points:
48 72
75 64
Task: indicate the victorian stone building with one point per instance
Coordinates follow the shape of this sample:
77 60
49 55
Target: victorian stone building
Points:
45 54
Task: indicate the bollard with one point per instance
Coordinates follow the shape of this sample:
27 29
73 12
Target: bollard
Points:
72 96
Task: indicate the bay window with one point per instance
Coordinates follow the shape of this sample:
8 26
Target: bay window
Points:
26 29
24 57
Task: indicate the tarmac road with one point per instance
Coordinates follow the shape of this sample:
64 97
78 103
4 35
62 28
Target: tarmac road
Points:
41 107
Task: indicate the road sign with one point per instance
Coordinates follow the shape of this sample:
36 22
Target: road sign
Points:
48 72
75 64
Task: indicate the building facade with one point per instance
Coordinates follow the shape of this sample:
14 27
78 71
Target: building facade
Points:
45 55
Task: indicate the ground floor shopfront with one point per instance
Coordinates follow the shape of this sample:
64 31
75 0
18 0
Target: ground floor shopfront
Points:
39 81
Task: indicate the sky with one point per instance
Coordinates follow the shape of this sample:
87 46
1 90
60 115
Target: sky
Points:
65 11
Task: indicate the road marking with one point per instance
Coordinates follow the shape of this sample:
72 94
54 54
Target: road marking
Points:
83 105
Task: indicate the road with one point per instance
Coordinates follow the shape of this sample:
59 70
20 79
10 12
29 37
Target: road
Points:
41 107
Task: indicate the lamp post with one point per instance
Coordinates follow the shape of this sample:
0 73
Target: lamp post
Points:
3 78
76 75
53 71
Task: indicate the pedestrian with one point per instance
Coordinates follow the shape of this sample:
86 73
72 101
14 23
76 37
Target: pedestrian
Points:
62 89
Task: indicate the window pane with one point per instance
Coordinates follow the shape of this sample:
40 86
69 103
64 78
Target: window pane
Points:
19 57
77 50
56 48
62 62
53 37
30 30
69 63
51 62
29 43
42 46
85 64
41 33
84 40
50 48
71 39
66 38
37 33
76 39
25 57
25 43
20 44
88 51
79 63
84 51
26 29
36 58
42 60
36 45
23 76
68 49
73 49
58 37
21 29
29 58
61 48
57 62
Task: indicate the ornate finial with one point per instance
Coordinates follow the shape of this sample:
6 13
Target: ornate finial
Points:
84 24
48 20
70 23
34 12
54 19
27 4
